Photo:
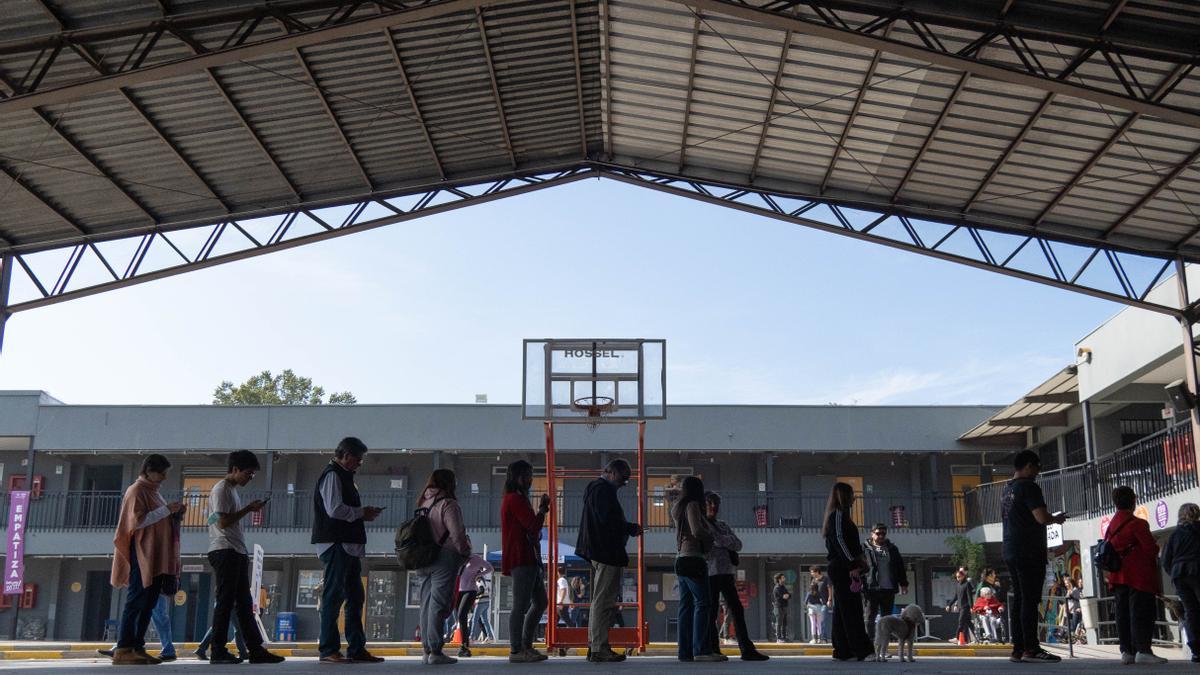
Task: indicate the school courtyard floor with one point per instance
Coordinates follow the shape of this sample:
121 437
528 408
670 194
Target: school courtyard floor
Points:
1089 660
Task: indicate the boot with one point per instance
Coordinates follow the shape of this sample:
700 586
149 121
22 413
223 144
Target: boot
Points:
125 656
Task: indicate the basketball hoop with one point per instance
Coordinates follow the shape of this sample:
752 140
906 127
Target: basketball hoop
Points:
595 407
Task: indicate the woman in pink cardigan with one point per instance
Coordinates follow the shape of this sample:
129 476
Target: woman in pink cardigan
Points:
437 580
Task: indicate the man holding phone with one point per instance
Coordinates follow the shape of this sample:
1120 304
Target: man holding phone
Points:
230 562
1023 509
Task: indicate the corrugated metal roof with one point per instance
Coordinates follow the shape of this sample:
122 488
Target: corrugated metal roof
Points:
1063 383
681 91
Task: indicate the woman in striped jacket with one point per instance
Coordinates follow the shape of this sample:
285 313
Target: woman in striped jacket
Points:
846 563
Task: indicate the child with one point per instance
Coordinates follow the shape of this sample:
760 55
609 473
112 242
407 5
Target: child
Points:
816 612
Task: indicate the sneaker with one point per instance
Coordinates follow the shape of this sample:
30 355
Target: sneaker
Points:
201 654
779 641
528 656
224 658
754 655
1041 656
813 641
166 657
534 655
605 656
106 652
1127 658
263 656
364 656
464 653
335 657
710 658
1146 658
1015 657
440 659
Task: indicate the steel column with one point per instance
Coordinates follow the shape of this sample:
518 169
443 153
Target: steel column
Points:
1191 375
1089 432
6 263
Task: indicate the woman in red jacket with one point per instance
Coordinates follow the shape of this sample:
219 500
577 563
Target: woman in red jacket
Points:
1137 583
521 559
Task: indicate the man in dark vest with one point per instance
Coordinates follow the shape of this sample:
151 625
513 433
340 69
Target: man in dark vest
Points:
340 533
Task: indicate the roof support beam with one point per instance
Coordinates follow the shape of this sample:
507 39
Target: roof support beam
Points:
766 124
218 57
498 189
691 85
1058 419
1163 182
101 173
1008 152
606 63
1103 150
1071 397
15 177
858 99
583 139
412 101
983 69
937 126
258 141
337 126
491 66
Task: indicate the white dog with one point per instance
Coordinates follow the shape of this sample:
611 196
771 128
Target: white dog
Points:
903 628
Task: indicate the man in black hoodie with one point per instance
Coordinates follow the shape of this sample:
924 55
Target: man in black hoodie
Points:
603 533
885 574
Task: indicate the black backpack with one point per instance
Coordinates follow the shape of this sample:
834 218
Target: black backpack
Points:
415 546
1107 557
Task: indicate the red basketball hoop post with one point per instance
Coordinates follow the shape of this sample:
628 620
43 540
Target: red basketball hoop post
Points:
563 637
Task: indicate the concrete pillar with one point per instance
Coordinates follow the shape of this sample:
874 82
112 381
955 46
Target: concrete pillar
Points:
1191 375
1089 432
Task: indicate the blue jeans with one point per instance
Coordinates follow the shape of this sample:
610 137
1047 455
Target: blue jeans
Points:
481 622
343 584
140 602
161 616
695 618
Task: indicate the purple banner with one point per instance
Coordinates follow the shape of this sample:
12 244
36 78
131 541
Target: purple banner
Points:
14 561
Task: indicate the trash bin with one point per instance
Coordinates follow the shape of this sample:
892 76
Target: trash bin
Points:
285 627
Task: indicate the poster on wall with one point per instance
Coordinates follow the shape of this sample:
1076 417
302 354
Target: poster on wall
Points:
308 587
14 561
412 597
670 587
943 587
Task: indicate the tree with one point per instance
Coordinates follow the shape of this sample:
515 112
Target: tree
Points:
287 388
966 553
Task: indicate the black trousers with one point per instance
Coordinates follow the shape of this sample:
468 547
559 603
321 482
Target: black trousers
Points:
781 622
231 570
1027 582
723 585
880 602
1135 619
466 602
848 635
964 624
1188 589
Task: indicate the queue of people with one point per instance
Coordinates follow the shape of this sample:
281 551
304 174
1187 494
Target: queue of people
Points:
861 581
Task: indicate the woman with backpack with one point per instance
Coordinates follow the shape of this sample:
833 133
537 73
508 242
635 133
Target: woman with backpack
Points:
1181 559
521 559
1136 581
437 580
846 564
693 539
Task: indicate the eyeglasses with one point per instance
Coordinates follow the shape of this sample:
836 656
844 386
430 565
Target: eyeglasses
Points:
881 532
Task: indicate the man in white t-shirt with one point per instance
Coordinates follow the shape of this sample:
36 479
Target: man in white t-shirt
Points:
230 562
564 598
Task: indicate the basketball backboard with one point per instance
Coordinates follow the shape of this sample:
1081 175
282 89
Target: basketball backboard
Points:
594 381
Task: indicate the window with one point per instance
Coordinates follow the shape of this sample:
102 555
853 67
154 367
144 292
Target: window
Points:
1133 431
1076 449
308 587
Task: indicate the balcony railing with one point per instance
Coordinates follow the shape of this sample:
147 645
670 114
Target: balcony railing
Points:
1158 465
99 511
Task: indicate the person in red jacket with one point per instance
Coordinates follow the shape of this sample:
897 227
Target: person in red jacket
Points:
990 610
520 558
1137 583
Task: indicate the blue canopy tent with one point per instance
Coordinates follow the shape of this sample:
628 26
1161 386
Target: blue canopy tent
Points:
566 554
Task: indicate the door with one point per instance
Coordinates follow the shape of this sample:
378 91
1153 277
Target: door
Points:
100 502
959 484
539 488
97 604
195 494
856 482
658 507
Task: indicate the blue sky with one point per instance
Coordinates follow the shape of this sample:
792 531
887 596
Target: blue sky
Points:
434 310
